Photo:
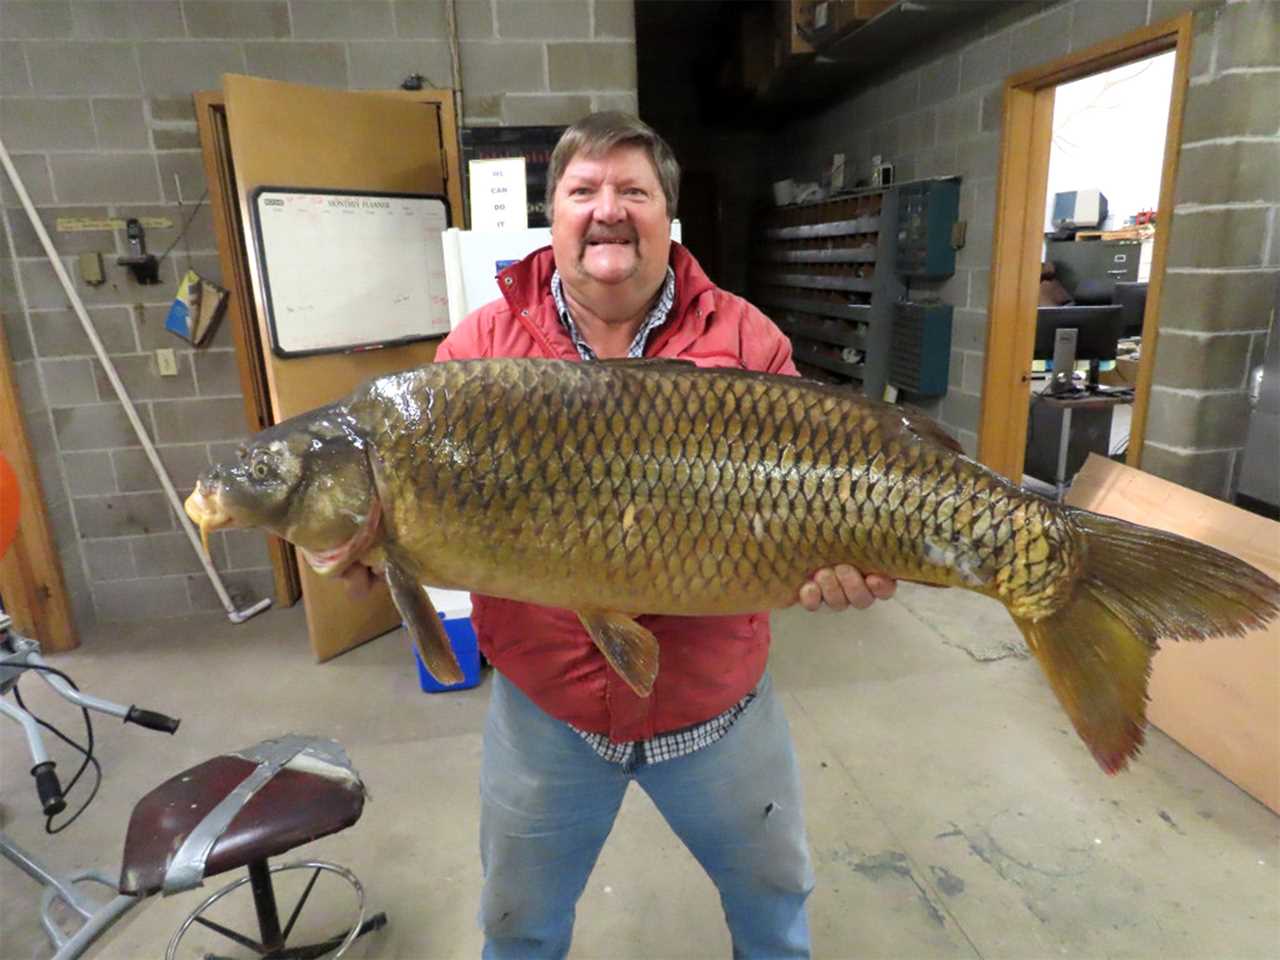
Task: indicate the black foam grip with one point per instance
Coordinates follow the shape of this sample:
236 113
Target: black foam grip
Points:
152 720
49 788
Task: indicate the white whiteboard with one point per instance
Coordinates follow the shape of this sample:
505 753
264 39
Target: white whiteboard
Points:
349 270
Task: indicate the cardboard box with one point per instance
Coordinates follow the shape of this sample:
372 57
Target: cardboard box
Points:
1219 699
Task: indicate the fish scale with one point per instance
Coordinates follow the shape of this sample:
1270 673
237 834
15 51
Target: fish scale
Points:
622 488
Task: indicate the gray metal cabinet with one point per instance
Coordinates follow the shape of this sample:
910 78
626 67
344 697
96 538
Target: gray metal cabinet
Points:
1076 260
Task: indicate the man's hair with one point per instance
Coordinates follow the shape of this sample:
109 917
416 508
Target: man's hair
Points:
598 133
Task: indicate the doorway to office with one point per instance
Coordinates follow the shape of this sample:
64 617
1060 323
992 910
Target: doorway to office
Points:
1064 263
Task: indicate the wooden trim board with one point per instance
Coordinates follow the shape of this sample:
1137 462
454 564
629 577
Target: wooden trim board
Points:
1020 193
224 203
1160 252
31 582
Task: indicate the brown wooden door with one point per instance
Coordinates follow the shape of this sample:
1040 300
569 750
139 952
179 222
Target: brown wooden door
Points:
290 135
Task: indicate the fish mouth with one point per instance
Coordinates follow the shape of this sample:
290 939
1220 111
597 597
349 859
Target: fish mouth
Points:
336 559
207 513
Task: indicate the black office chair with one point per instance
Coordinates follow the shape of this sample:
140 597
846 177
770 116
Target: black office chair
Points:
1133 297
1094 293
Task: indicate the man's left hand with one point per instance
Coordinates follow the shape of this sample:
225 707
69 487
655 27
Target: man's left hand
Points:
360 580
842 586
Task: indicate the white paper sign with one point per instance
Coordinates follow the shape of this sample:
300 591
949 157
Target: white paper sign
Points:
498 195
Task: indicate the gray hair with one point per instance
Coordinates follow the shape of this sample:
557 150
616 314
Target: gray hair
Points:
598 133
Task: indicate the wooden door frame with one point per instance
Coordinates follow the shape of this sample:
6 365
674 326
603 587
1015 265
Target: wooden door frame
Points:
1021 187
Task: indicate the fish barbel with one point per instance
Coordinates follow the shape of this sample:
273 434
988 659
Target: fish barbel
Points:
620 488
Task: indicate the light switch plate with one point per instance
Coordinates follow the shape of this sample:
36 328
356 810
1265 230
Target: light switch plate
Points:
167 362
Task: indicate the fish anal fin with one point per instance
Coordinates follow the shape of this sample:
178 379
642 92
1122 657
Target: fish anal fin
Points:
424 625
628 647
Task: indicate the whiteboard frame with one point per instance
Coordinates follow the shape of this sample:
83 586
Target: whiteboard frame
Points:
261 257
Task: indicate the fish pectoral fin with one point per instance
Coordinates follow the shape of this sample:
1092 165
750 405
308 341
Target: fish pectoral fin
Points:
630 649
424 625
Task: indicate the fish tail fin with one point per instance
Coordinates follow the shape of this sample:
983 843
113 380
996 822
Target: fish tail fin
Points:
1138 586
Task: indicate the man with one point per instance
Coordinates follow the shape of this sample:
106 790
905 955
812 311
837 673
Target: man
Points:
565 735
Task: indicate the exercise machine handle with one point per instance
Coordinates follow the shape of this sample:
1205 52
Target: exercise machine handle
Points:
49 789
152 720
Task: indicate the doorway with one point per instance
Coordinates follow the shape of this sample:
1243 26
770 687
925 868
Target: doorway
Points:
1085 198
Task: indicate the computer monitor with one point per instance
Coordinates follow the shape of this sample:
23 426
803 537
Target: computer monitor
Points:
1097 333
1097 330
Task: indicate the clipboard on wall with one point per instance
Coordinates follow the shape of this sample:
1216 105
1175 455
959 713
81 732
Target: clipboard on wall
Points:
350 270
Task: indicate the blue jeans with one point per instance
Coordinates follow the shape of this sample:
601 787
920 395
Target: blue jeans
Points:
548 802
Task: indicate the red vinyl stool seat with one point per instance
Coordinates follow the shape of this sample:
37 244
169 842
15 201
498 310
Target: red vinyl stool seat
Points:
291 809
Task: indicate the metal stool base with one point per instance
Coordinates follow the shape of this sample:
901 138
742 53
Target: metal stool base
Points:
273 946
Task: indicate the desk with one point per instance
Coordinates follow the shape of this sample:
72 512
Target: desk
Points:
1054 450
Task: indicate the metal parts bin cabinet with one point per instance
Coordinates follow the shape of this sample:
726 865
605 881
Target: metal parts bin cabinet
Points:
920 348
927 211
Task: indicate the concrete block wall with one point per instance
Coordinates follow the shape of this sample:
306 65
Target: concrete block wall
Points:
96 109
1224 252
940 114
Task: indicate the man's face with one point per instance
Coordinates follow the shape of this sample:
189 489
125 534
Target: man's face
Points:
609 229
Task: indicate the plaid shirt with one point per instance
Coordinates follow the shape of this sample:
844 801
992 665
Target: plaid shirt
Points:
677 743
656 318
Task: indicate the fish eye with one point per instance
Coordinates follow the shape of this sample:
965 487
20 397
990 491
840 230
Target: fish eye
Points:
260 470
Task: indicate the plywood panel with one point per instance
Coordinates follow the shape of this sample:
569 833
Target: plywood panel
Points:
1219 699
290 135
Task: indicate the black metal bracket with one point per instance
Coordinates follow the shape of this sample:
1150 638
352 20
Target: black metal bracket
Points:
144 266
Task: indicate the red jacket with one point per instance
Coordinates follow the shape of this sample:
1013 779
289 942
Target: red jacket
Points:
707 664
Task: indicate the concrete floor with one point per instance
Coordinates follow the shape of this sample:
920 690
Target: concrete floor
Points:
952 812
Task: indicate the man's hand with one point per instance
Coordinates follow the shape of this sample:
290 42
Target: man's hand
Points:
842 586
359 579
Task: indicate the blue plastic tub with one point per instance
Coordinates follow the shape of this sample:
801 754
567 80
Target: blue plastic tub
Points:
454 608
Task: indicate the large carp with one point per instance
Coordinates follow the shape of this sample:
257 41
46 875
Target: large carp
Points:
646 486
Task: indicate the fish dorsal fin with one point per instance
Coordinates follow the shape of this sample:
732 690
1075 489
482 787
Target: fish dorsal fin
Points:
927 428
656 364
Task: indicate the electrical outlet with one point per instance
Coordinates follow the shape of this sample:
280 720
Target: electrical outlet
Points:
167 362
